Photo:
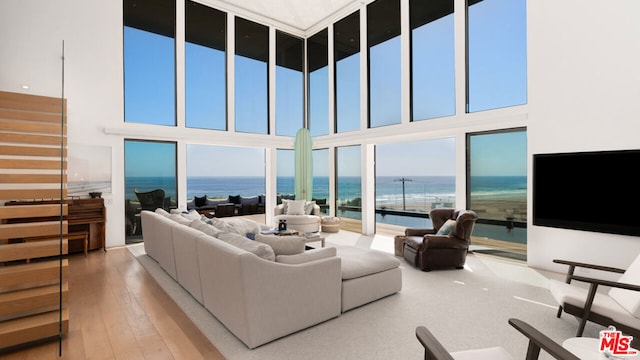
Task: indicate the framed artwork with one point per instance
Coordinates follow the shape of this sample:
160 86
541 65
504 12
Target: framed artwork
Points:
88 170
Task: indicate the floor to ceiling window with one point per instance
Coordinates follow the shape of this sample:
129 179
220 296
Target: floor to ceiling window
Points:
497 188
149 61
318 83
289 84
205 67
346 43
215 171
406 189
383 38
145 173
348 182
285 172
432 59
251 77
321 179
497 54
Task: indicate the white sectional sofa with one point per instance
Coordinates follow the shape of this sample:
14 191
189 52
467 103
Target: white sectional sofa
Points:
258 295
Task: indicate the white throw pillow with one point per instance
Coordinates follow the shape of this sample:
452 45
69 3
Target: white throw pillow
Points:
283 245
262 250
192 215
206 228
242 226
295 207
180 219
163 212
308 207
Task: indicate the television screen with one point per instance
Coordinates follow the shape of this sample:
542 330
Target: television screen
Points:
591 191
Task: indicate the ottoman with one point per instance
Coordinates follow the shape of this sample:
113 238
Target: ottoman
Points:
367 275
330 224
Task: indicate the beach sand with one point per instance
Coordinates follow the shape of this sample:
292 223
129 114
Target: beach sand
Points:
497 209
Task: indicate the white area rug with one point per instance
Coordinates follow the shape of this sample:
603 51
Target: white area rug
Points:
465 309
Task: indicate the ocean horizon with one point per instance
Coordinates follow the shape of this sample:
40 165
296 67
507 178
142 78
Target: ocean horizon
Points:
390 190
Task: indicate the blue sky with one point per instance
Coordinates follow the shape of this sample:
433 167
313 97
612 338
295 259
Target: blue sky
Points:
497 78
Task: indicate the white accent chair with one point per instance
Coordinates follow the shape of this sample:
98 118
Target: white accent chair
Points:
434 350
620 306
303 223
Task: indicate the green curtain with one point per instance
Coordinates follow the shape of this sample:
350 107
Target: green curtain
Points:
303 165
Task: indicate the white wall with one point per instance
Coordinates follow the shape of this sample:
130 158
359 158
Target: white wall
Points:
584 89
584 84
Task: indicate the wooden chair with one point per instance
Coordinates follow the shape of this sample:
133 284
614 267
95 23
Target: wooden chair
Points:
620 306
434 350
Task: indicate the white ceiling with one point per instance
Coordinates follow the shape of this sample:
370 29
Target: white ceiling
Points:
300 14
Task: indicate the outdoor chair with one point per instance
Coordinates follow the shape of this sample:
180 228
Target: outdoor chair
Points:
445 245
151 200
620 306
434 350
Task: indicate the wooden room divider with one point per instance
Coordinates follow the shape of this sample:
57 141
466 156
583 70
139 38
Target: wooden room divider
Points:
33 272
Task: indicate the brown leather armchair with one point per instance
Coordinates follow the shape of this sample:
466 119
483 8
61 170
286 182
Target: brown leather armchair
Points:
445 245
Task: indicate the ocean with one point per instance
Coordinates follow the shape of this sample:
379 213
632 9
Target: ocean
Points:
420 194
391 192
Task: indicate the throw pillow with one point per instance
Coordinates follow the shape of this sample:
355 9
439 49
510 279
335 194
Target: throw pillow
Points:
283 245
242 226
200 201
163 212
180 219
311 255
234 199
206 228
219 224
192 215
295 207
447 227
260 249
309 206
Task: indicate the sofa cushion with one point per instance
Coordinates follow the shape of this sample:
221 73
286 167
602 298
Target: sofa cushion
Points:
283 245
295 207
192 215
162 212
200 201
206 228
311 255
358 262
180 219
629 299
260 249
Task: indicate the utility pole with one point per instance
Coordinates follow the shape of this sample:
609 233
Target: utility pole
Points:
404 204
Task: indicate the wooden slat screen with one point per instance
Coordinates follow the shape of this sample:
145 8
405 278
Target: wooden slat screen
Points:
33 166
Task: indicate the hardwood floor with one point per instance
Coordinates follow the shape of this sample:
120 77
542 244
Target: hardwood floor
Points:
117 311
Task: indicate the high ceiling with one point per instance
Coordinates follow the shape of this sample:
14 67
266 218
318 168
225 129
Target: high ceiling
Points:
301 14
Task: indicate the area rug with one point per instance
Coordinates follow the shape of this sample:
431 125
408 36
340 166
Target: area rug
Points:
465 309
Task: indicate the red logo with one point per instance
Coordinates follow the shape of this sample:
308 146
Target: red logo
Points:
614 343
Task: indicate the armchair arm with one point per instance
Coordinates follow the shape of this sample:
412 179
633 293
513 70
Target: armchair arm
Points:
538 340
418 232
574 264
433 349
444 241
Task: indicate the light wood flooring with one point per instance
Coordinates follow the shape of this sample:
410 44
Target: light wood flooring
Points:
117 311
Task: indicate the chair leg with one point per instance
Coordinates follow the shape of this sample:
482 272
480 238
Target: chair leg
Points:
559 312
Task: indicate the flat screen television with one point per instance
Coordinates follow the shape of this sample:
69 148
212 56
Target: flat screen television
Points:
591 191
